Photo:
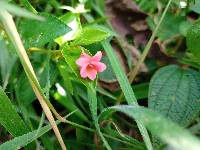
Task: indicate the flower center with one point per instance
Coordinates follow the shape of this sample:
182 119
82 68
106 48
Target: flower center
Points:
90 65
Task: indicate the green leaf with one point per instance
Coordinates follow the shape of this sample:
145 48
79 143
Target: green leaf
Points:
184 26
174 92
169 132
9 118
90 35
71 54
38 33
196 6
126 88
193 38
25 139
28 6
19 11
166 30
141 90
7 61
73 21
108 75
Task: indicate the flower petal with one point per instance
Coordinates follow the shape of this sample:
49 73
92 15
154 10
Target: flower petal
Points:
91 73
97 56
83 72
99 66
82 62
84 55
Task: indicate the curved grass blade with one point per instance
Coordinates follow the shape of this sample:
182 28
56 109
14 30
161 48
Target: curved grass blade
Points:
19 11
169 132
25 139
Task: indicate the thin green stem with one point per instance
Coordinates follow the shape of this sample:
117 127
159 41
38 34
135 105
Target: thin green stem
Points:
93 130
93 107
135 70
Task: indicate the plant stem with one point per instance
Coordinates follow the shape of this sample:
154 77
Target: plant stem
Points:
35 49
92 97
93 130
135 70
10 27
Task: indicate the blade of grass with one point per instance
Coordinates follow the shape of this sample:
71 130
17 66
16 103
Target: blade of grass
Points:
27 138
135 70
19 11
40 124
10 27
27 5
126 88
9 117
177 137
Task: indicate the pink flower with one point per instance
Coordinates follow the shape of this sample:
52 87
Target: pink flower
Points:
90 66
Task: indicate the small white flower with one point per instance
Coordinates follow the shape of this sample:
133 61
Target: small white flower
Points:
80 8
183 4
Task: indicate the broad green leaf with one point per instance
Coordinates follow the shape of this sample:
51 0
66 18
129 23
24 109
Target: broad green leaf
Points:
25 139
196 6
169 132
7 62
192 39
71 54
126 88
9 118
90 35
73 21
38 33
174 92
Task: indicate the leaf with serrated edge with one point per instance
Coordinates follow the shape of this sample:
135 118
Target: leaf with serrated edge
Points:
174 92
